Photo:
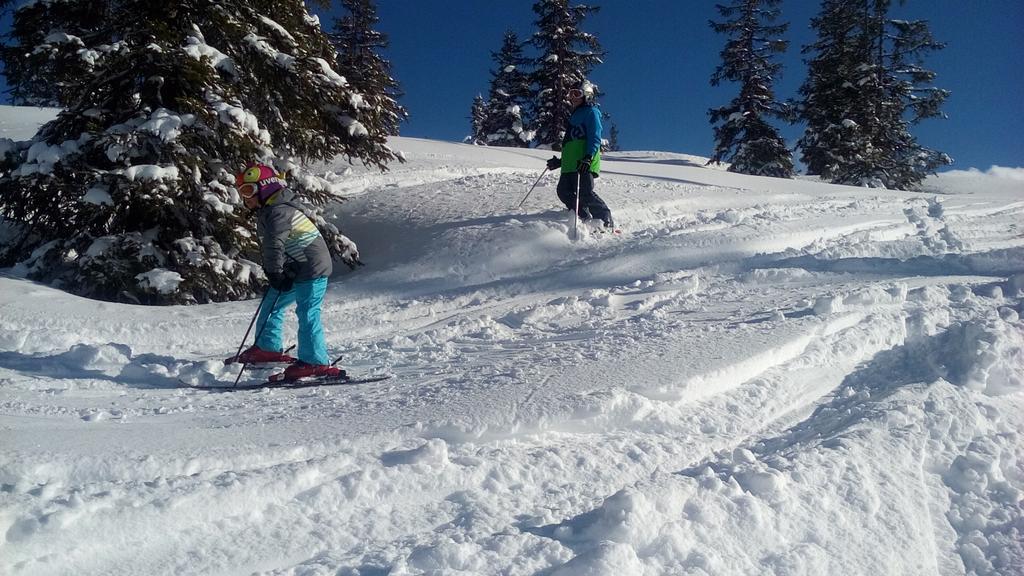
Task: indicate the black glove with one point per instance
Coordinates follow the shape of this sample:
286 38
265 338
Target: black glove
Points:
554 162
280 281
584 166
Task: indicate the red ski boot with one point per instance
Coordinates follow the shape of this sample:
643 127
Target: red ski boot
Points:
300 370
257 355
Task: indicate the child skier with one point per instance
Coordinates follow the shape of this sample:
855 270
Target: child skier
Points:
297 263
581 157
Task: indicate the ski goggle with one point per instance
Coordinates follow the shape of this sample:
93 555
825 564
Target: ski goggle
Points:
575 93
248 190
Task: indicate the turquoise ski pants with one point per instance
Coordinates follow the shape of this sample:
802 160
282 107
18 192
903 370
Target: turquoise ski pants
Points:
308 296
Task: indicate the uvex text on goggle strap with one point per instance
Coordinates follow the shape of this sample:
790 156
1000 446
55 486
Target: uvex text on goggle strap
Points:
249 189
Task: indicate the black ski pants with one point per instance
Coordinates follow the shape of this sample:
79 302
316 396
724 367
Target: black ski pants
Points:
591 205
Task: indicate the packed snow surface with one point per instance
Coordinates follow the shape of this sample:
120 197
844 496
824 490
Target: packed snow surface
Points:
758 376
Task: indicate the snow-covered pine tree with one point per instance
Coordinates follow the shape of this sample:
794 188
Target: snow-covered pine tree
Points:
504 123
567 57
477 119
905 99
128 195
831 137
613 139
863 92
744 137
53 44
367 72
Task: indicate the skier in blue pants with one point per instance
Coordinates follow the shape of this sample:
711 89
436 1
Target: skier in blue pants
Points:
307 296
297 263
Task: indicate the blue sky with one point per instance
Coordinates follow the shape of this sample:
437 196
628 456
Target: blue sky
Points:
661 54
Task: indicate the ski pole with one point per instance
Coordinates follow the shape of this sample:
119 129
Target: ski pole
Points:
546 170
258 332
249 329
576 214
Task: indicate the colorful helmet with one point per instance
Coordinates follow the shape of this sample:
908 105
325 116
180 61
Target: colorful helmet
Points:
259 180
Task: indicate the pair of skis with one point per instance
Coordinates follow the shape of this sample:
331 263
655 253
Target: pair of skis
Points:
277 380
309 382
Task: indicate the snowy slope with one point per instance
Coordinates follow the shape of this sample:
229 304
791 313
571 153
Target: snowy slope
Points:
760 376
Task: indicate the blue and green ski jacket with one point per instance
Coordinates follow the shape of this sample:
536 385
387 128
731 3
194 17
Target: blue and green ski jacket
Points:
582 138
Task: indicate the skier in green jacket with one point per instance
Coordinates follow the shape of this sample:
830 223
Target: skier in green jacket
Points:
581 157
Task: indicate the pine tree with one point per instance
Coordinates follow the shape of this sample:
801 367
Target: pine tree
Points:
864 91
567 57
504 123
128 194
832 138
477 119
905 99
54 44
613 139
745 138
368 73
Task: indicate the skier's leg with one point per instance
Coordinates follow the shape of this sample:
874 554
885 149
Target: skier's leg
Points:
595 205
567 191
312 344
567 194
270 325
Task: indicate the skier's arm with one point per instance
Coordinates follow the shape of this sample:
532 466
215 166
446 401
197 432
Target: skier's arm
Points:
594 128
276 227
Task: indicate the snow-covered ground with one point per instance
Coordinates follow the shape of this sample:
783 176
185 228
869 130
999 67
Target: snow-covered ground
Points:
759 376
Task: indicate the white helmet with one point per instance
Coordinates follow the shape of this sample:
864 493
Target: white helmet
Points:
589 90
586 90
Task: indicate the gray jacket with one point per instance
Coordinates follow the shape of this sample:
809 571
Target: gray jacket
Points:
291 240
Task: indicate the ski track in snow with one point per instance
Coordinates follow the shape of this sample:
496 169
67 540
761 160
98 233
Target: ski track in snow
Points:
758 377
